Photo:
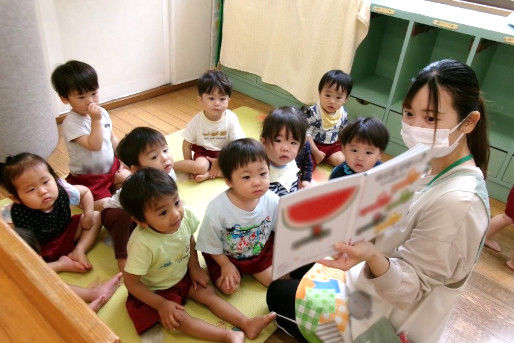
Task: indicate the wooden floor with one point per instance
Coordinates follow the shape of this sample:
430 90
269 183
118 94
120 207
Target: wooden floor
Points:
485 311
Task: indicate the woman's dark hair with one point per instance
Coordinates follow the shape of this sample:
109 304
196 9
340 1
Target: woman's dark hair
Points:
238 154
369 130
214 79
137 142
74 76
460 81
15 165
143 189
343 81
290 118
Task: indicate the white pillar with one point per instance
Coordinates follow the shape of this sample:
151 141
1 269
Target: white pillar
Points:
27 118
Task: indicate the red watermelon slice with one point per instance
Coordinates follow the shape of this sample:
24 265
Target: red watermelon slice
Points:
313 211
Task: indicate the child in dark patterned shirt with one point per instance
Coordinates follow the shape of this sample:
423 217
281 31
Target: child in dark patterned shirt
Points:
327 117
362 141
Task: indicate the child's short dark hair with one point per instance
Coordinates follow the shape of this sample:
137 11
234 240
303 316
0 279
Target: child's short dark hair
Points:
239 153
15 165
290 118
368 130
74 76
136 142
343 81
212 79
143 189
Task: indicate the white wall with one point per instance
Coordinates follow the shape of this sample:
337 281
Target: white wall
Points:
134 45
190 38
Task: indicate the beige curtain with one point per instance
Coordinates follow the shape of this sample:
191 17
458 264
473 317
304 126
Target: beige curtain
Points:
292 43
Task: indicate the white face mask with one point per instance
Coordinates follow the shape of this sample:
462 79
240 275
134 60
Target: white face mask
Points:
413 135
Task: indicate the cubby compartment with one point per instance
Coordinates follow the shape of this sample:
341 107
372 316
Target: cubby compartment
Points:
509 173
496 158
361 108
494 66
376 59
428 44
394 126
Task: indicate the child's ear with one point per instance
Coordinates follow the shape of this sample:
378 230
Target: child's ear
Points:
227 181
14 199
263 141
133 168
64 100
138 222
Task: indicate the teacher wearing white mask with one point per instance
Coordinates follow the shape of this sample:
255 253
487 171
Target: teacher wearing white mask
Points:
413 274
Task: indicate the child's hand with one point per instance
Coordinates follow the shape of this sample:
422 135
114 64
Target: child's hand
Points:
171 314
94 111
349 255
230 276
199 277
319 156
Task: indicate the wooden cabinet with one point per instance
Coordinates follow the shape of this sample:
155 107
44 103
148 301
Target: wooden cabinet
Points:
405 36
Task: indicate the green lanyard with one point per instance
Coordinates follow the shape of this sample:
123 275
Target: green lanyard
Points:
451 166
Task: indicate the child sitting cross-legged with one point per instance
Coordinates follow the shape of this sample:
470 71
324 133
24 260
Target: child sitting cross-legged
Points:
211 129
41 204
162 268
236 233
363 141
142 147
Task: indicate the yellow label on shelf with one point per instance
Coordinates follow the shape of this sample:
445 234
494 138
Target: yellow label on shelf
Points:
446 25
508 39
383 10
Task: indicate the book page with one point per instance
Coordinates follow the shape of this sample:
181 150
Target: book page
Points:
387 192
310 221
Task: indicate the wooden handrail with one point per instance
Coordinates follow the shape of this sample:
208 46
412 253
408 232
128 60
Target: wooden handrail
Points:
57 310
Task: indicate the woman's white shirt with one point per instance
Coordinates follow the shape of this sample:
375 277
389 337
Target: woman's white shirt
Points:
435 246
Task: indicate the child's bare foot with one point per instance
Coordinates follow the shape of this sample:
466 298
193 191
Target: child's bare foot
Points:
66 264
235 337
80 257
254 326
493 245
201 177
97 304
108 288
510 263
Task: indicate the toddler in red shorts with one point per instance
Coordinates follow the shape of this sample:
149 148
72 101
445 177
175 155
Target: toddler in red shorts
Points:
87 132
141 148
211 129
327 117
236 233
162 268
41 205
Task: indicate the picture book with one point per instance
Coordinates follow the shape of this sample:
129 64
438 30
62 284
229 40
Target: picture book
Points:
351 208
